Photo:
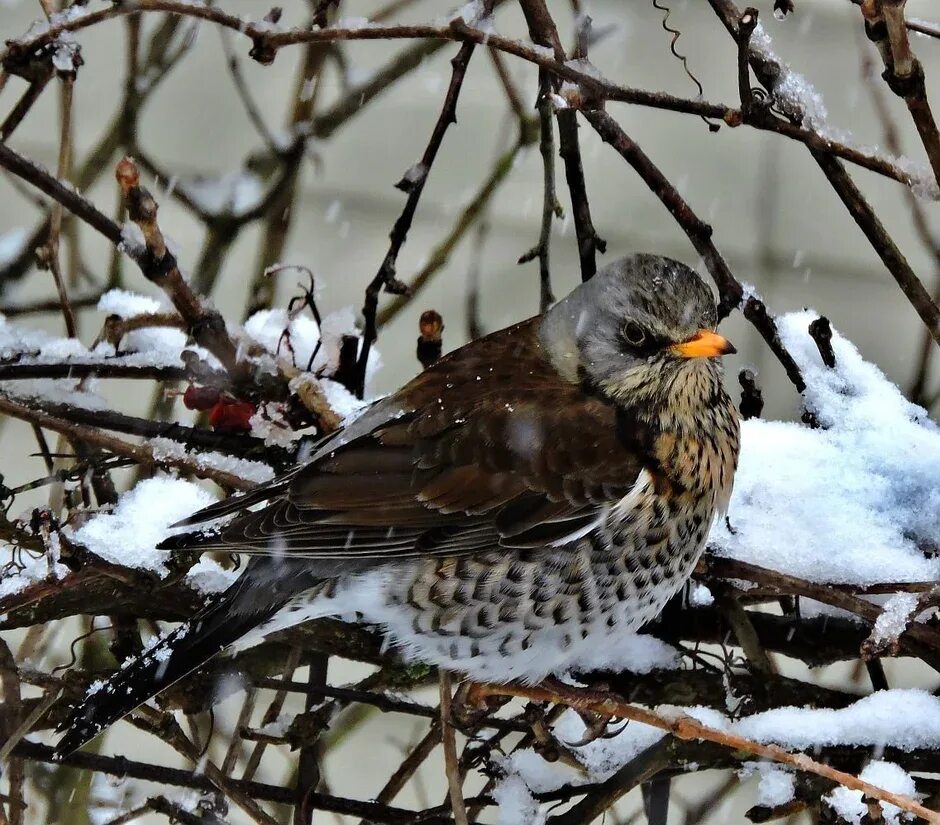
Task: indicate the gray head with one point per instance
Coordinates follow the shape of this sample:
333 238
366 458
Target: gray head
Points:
635 327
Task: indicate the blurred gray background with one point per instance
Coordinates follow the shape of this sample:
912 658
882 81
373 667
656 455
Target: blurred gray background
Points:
775 217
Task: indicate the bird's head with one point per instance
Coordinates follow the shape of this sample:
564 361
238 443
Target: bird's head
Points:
640 329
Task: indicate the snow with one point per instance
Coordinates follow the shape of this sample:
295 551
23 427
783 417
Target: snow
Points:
923 182
630 652
516 804
526 772
59 18
584 66
353 23
538 774
207 577
166 449
21 345
127 304
269 424
35 569
110 796
602 758
895 615
793 93
342 401
56 391
776 785
69 15
130 533
905 718
132 242
266 328
700 595
17 340
278 727
849 502
148 347
470 13
12 244
415 174
155 346
902 718
887 775
796 97
67 53
233 193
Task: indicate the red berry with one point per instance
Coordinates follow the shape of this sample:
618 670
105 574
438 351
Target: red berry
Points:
230 415
200 398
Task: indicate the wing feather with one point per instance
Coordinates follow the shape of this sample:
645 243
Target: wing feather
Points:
489 447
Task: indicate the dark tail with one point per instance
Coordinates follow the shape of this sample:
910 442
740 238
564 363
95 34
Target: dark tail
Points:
251 600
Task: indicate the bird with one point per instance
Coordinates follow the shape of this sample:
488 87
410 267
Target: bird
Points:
532 495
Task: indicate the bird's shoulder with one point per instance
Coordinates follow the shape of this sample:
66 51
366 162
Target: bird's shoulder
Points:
492 419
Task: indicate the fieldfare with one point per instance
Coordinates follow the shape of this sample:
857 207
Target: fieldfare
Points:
530 496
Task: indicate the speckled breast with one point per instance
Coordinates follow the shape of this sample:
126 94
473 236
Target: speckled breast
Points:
509 615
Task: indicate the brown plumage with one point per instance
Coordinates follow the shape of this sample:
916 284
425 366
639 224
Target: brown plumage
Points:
529 497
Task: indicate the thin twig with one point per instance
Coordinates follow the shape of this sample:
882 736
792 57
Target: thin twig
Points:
550 206
467 218
12 699
111 368
413 183
929 240
272 713
904 74
160 267
308 760
55 226
451 763
120 766
25 103
641 768
415 758
251 108
543 31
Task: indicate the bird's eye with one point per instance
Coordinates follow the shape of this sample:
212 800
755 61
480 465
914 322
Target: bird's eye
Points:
633 333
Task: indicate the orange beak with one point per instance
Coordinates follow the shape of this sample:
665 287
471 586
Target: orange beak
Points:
704 344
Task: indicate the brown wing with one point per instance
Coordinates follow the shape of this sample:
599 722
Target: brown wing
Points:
489 447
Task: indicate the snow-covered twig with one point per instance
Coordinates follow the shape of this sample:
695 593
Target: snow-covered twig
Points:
207 325
147 454
686 727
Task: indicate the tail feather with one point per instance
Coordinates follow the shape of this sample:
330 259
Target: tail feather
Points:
174 656
235 504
